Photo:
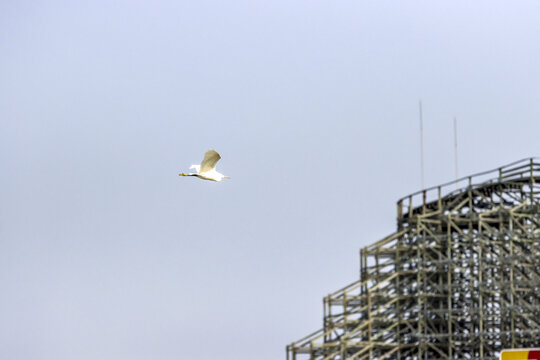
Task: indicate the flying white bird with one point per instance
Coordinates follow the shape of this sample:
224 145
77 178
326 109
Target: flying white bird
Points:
207 169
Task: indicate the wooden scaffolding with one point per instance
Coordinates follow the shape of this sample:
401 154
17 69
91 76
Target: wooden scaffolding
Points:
459 279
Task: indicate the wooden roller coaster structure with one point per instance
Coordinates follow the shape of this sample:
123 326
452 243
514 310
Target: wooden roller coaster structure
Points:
459 279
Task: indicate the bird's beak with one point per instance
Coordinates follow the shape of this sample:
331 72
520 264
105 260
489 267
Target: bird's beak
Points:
226 177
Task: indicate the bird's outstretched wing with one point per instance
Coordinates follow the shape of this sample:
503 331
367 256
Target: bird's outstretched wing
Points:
210 160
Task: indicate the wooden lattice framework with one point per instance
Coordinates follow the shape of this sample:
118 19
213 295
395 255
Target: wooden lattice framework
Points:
459 279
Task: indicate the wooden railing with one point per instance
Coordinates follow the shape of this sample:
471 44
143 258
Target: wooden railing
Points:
528 168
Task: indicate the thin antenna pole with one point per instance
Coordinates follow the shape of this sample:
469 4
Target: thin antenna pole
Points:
456 149
421 145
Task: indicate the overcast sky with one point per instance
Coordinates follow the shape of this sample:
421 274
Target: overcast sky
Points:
106 253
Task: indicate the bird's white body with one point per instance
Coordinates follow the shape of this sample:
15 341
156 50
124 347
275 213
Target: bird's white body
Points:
207 169
211 175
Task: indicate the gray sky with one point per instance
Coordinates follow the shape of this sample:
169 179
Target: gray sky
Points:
106 253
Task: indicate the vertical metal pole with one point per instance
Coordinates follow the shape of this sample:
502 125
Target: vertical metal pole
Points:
512 287
325 324
449 286
361 265
456 149
421 144
532 180
369 324
480 242
399 295
439 200
420 287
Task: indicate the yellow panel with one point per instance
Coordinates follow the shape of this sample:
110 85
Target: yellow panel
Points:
515 355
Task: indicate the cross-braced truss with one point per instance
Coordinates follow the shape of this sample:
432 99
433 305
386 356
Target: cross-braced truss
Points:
460 279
